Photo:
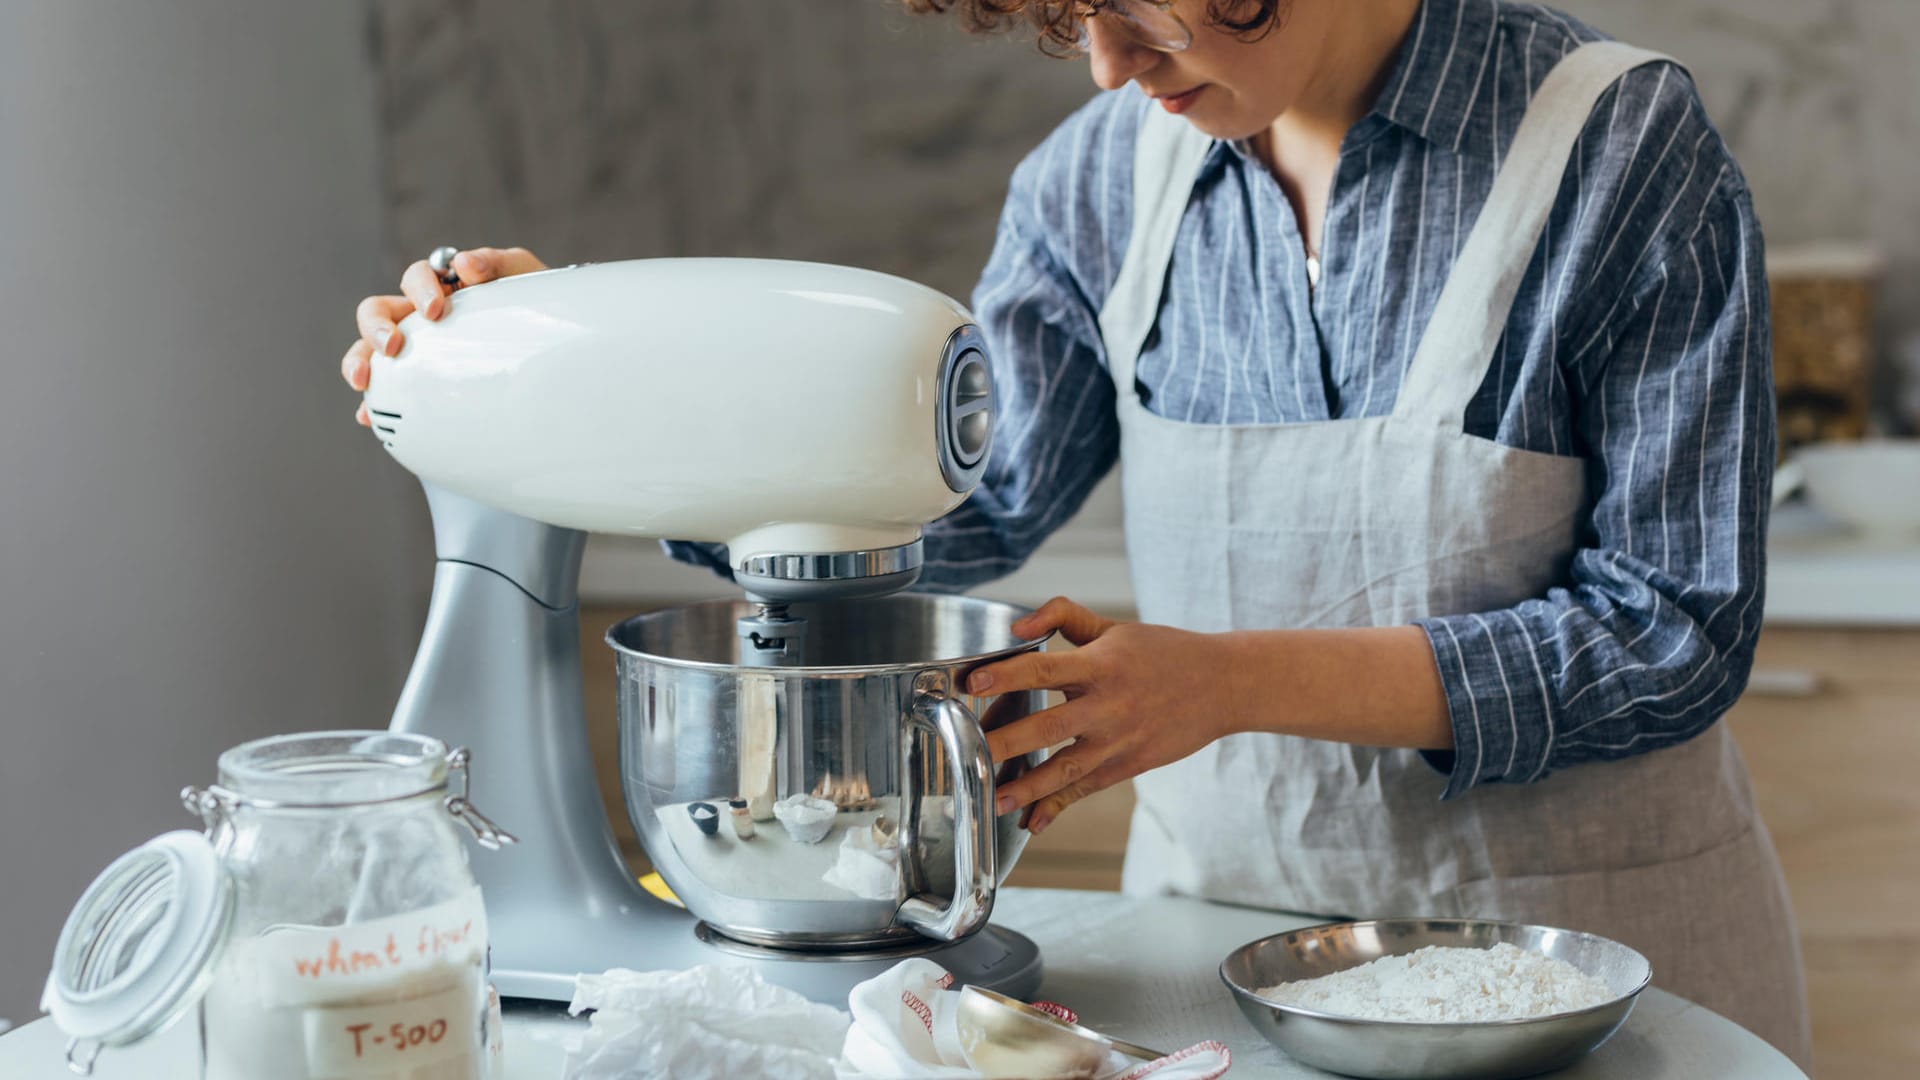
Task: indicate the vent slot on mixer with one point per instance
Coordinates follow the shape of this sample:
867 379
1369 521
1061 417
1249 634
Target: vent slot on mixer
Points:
385 424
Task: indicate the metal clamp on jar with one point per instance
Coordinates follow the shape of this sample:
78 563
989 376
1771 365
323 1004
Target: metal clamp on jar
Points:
325 924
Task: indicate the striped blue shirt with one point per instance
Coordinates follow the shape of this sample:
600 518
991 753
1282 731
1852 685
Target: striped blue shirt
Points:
1639 343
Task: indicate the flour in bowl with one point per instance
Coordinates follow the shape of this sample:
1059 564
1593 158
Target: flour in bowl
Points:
1448 985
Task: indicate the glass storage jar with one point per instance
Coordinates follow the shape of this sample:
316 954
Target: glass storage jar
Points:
326 925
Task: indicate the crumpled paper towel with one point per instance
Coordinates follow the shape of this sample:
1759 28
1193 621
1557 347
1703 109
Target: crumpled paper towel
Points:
706 1022
865 867
903 1029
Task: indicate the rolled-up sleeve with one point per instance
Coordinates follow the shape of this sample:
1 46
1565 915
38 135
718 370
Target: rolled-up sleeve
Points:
1652 638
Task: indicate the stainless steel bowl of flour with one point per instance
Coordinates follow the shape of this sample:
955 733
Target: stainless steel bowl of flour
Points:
1427 1049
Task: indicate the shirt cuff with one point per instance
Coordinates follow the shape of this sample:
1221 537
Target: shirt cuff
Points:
1496 701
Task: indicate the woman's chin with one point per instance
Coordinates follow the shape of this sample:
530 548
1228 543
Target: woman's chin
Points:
1222 123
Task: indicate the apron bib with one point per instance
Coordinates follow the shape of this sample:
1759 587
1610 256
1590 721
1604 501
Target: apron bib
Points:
1380 521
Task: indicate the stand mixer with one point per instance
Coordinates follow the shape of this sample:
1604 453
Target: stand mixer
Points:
811 418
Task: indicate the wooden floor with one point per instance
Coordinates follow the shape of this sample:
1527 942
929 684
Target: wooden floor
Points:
1837 775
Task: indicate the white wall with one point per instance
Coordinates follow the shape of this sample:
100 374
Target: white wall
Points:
197 546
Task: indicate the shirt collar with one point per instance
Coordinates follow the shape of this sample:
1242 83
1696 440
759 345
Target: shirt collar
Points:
1440 70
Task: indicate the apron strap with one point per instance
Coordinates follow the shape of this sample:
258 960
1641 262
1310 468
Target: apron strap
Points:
1166 160
1468 320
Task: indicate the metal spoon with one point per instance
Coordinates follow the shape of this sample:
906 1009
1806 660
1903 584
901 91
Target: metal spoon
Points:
1005 1037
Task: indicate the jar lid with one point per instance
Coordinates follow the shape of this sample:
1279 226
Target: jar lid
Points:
138 949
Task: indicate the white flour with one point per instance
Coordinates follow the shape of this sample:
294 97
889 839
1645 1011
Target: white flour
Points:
1438 984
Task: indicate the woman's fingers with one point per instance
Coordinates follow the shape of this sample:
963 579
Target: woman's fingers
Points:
485 264
357 365
1075 623
1048 727
360 416
473 266
1063 770
1029 671
1042 813
424 290
377 318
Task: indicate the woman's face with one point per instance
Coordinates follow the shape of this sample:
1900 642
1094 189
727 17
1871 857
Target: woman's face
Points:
1227 87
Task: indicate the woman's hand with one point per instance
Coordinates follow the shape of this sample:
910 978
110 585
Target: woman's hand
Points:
1138 697
1141 696
421 291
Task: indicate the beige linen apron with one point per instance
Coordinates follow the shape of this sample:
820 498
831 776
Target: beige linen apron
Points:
1380 521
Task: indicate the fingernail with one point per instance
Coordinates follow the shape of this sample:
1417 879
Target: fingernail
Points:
1002 803
980 683
382 339
1039 826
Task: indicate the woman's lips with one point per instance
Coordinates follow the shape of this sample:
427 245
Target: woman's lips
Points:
1179 103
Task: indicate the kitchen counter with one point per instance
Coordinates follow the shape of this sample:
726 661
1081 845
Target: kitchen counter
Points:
1820 574
1142 969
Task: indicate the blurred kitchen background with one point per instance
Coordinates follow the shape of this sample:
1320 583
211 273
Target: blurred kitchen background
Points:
197 546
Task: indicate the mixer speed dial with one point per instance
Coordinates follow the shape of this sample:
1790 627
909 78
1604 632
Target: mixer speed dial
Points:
966 404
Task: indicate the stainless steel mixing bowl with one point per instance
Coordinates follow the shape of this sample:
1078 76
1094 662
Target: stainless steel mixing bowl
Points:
877 723
1400 1050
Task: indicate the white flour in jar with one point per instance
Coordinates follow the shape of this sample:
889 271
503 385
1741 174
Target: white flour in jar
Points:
1439 984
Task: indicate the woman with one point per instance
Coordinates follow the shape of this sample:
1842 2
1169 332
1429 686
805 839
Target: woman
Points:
1434 339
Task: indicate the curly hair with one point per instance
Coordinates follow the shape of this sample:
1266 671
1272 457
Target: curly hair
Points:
1058 21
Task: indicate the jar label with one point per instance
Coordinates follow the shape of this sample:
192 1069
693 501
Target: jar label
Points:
396 1038
327 965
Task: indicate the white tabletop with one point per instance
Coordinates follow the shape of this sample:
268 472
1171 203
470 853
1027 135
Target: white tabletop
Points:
1145 970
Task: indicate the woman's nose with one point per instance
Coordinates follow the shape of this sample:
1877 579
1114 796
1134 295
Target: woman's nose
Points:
1116 58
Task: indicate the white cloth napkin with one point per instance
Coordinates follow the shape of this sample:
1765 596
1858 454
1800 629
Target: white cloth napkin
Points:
706 1022
903 1027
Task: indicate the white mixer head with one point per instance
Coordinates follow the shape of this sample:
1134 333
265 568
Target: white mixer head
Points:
811 417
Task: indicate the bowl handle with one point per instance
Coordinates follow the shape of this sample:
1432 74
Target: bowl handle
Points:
974 858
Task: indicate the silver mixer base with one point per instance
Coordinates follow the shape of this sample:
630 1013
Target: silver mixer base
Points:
996 958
